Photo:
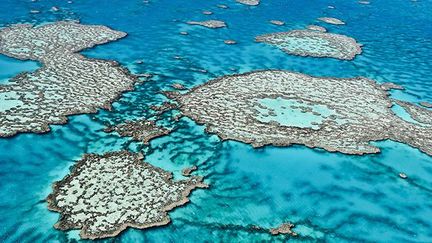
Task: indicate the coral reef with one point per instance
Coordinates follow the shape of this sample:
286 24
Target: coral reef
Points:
282 108
316 28
249 2
105 194
66 84
188 171
277 22
285 228
140 130
313 43
212 24
329 20
416 112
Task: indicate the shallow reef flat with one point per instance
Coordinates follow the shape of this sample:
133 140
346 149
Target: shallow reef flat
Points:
66 84
416 112
212 24
390 85
105 194
277 22
140 130
282 108
426 104
285 228
313 43
330 20
249 2
316 28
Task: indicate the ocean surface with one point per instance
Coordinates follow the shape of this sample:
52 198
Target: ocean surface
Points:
328 196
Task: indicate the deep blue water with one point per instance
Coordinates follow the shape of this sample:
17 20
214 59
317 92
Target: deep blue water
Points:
329 196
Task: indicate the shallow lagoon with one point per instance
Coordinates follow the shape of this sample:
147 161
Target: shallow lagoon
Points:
292 113
327 195
10 67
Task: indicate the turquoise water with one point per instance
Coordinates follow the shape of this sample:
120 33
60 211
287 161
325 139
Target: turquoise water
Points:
290 113
309 45
10 67
329 196
402 113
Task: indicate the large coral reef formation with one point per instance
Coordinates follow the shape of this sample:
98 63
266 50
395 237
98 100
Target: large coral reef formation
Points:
66 84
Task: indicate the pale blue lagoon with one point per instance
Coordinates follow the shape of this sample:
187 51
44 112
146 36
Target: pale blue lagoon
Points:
292 113
330 197
12 67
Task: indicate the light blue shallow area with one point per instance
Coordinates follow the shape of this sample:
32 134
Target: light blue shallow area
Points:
329 196
317 46
402 113
290 113
9 67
